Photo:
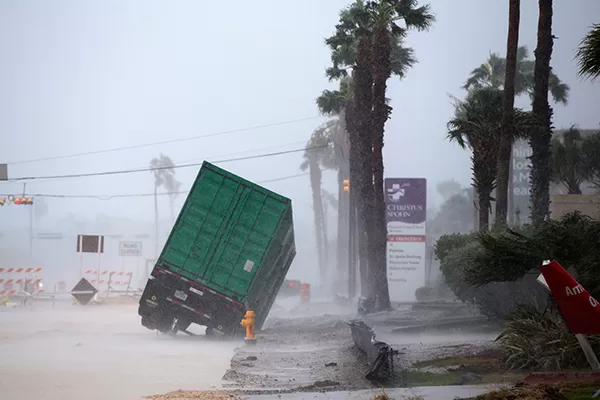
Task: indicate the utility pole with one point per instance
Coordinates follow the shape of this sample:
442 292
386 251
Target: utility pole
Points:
351 241
30 224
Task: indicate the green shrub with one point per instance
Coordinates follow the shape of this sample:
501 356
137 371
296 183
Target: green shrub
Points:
533 339
463 253
510 255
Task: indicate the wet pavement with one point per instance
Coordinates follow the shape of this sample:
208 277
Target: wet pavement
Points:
100 352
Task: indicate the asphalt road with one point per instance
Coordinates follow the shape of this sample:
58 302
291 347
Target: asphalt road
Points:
100 352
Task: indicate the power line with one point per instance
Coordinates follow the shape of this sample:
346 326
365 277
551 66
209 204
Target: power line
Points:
222 133
131 171
117 196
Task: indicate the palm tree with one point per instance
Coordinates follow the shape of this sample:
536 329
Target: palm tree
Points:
506 142
568 160
368 39
386 31
588 53
316 156
540 137
332 103
162 168
591 158
493 73
477 125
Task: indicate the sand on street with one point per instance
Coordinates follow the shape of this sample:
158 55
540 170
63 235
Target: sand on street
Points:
100 352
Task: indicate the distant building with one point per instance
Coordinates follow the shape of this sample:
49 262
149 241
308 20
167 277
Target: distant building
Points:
519 202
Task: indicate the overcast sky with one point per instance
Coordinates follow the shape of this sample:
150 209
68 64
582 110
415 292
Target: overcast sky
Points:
80 76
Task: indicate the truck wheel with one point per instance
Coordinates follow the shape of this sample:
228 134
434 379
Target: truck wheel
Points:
164 325
209 332
148 323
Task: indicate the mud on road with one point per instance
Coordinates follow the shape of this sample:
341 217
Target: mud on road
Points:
301 354
297 353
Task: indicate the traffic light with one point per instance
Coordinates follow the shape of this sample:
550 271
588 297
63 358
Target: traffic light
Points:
346 185
23 201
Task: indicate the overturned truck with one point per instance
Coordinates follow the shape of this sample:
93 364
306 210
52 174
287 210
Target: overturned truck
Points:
228 252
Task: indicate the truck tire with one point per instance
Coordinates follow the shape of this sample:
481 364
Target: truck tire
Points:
209 332
164 325
148 323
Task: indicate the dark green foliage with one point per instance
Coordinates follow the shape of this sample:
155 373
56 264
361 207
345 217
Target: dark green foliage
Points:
588 53
509 256
568 160
459 254
591 158
538 339
492 72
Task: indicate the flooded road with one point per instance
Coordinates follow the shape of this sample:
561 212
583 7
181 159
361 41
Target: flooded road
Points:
100 352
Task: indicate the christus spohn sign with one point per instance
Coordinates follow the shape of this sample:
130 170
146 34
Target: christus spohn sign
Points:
406 205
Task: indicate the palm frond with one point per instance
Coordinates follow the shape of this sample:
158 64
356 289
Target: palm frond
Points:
588 53
558 89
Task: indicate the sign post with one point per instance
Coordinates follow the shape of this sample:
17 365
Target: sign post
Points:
579 309
90 244
406 216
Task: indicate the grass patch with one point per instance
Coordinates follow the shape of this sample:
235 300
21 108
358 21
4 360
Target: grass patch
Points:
567 391
487 357
421 378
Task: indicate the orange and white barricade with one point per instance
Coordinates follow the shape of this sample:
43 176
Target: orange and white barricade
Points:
305 293
110 281
15 280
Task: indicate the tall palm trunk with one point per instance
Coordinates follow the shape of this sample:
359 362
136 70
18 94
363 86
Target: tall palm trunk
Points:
363 95
315 184
381 72
341 154
541 136
484 211
356 255
506 138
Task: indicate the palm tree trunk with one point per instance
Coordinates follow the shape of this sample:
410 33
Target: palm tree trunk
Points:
355 256
506 142
380 114
155 222
484 211
315 183
341 154
540 138
342 224
363 92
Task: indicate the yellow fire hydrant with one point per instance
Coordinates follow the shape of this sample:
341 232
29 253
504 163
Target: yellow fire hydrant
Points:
248 323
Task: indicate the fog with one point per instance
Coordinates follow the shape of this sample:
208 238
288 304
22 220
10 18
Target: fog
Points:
81 77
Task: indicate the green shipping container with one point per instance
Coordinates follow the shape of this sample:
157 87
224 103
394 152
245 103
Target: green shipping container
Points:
234 237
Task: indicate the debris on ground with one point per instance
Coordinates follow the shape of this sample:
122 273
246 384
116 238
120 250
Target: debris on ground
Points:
193 395
566 391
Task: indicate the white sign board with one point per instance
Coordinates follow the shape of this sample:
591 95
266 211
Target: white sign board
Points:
406 266
133 249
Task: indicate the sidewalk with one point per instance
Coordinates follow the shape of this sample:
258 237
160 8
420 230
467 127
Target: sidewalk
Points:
428 393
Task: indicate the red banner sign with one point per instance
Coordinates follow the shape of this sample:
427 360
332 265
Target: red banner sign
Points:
580 309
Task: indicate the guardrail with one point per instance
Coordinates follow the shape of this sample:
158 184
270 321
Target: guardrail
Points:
380 355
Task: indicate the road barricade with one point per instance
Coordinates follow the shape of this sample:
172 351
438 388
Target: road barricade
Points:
16 280
116 282
305 293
